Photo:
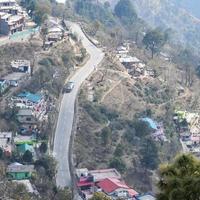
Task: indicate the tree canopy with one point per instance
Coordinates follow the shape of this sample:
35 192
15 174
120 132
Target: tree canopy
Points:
125 11
94 11
28 156
180 179
154 40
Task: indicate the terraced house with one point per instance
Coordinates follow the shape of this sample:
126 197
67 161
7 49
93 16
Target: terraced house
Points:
12 17
10 24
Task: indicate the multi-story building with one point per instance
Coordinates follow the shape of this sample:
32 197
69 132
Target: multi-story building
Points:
10 6
10 24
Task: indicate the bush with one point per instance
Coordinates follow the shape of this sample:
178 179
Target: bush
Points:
142 128
95 113
130 135
46 62
118 164
109 113
119 151
49 164
106 135
43 147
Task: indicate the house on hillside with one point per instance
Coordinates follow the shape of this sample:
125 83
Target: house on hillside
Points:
157 133
25 116
129 60
21 66
116 189
27 120
17 171
23 147
14 79
9 6
30 98
55 34
6 143
87 180
10 24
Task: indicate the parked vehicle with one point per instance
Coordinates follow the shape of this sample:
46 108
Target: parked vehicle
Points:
68 87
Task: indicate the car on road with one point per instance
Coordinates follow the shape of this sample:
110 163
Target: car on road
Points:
68 87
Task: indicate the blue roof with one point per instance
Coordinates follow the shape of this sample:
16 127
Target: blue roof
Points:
145 197
35 98
151 123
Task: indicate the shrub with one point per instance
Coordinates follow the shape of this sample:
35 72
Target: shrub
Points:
95 113
27 157
118 163
119 151
46 62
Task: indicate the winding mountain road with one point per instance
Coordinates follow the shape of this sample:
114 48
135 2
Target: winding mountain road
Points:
66 114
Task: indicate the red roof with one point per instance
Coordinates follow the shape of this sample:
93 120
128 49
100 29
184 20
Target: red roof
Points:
84 182
109 185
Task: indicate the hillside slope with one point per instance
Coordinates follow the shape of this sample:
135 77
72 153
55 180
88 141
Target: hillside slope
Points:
167 13
180 16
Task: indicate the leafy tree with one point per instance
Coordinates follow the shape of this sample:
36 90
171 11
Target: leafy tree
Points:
38 9
149 154
96 27
42 10
43 33
62 194
142 128
187 60
180 179
43 147
118 151
100 196
27 157
94 11
49 164
107 4
154 40
118 164
125 11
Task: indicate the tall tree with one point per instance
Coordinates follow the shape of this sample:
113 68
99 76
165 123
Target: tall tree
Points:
125 11
154 40
43 34
28 156
180 179
149 154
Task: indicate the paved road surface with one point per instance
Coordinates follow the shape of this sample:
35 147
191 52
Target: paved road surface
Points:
66 115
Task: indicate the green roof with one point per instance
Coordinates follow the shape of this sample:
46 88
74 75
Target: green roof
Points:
22 148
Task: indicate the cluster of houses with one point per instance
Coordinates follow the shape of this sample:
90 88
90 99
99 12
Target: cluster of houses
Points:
12 17
135 67
158 133
188 126
21 69
31 112
107 181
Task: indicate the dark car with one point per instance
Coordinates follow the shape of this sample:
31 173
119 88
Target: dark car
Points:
68 87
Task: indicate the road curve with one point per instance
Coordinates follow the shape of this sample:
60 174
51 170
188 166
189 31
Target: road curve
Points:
66 114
